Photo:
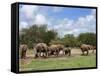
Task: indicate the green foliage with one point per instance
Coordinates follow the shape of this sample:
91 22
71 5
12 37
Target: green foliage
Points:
87 38
49 36
36 34
69 40
57 40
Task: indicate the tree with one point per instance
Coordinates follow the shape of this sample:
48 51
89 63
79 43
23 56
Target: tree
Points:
57 41
69 40
36 34
50 35
87 38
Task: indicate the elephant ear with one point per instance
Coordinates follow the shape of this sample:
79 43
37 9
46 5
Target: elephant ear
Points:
38 45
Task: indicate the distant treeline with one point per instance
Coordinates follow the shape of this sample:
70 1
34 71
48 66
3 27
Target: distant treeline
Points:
37 34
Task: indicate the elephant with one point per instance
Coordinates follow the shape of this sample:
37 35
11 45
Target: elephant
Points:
86 48
67 51
60 47
54 49
23 49
41 49
92 48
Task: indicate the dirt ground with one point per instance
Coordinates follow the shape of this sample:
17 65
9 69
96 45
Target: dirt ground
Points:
75 51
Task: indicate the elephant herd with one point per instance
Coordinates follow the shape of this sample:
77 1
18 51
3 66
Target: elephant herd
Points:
42 50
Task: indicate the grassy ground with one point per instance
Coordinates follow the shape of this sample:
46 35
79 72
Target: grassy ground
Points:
76 61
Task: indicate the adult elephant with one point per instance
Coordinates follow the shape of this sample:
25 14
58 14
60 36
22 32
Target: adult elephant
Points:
41 50
23 49
60 47
92 48
54 49
85 48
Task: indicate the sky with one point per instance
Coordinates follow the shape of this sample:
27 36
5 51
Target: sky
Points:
65 20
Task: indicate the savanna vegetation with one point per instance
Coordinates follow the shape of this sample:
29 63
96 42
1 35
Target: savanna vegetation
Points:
38 34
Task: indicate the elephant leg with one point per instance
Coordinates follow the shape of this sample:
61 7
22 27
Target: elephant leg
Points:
24 54
44 55
54 52
87 52
82 52
36 55
93 51
57 52
39 54
66 52
63 52
69 52
49 53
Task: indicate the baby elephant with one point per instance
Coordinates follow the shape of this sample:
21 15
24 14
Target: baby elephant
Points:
23 48
67 51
